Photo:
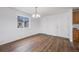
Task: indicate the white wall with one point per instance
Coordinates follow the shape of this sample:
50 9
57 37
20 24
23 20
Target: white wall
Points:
58 25
8 26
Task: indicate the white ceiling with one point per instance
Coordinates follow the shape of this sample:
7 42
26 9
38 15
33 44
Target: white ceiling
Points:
44 11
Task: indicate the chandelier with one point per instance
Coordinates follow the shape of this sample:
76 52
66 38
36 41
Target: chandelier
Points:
36 14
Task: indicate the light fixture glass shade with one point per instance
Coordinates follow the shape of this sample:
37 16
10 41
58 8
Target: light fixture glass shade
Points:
36 16
33 15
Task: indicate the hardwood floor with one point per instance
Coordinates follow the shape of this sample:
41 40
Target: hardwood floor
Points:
39 43
76 45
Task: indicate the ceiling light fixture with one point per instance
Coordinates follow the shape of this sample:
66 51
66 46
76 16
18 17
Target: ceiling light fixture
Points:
36 14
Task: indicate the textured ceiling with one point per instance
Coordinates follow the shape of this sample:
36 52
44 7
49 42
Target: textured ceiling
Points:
44 11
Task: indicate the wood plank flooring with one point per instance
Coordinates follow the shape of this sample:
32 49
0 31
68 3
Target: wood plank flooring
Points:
39 43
